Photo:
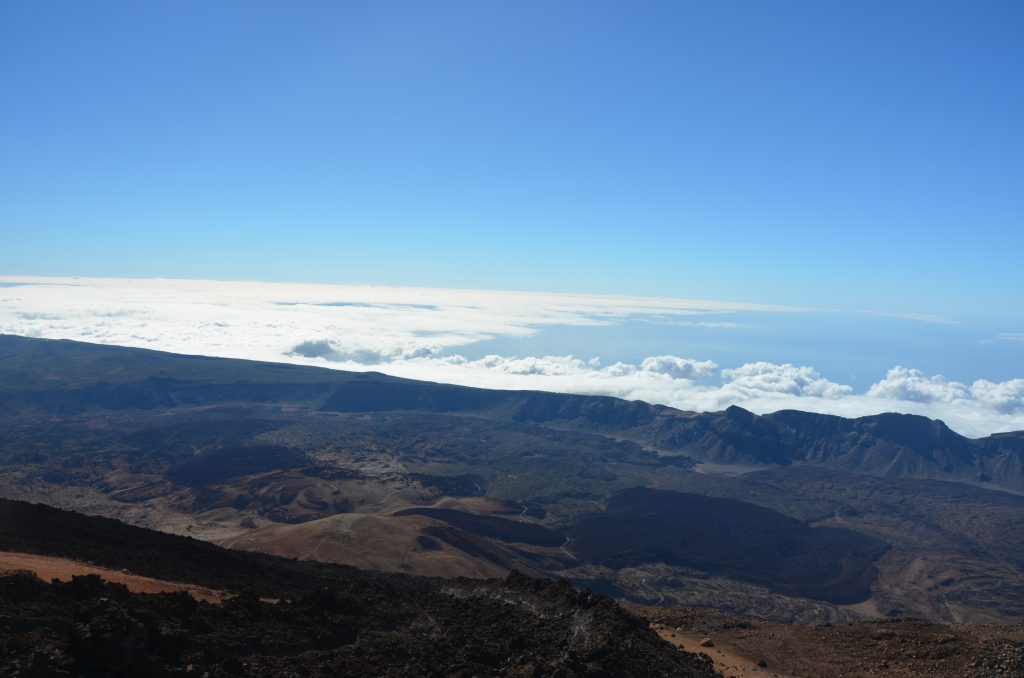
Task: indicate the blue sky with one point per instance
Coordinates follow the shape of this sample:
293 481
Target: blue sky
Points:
855 155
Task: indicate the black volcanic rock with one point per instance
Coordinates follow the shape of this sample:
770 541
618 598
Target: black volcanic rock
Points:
333 621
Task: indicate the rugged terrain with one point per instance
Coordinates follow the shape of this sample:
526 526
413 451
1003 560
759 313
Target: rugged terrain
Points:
185 607
792 517
279 617
897 648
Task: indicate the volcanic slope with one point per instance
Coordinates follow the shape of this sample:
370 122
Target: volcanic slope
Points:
64 377
306 618
404 476
894 648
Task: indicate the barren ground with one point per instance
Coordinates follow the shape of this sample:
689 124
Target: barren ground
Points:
48 568
897 648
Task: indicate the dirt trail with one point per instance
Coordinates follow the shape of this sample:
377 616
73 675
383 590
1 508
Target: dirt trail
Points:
47 568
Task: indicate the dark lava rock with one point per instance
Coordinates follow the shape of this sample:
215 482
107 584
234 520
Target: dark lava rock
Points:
297 618
520 626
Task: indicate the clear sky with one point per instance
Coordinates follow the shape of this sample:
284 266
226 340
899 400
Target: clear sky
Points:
855 155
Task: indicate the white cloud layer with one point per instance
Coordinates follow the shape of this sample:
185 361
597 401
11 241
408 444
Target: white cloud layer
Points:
418 333
906 384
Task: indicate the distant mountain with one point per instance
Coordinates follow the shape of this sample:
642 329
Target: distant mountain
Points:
890 445
789 516
66 377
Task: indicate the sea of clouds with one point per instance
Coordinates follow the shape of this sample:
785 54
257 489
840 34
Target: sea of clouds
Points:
418 333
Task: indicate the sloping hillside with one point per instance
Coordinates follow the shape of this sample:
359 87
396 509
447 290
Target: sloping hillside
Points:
307 618
896 514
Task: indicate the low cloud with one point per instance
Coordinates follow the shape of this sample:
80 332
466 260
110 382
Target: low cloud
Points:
678 368
317 348
665 368
984 407
912 385
901 383
324 348
422 333
1006 396
767 378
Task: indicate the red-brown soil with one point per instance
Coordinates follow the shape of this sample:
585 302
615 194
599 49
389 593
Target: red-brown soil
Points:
49 568
897 648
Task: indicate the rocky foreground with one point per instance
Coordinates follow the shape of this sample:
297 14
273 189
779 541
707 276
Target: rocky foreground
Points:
519 627
264 616
279 617
892 647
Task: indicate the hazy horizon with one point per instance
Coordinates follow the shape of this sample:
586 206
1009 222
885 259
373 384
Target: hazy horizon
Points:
691 354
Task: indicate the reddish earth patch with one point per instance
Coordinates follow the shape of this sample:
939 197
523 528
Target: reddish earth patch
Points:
726 662
48 568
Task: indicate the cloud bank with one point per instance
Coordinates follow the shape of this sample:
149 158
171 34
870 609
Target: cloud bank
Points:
421 333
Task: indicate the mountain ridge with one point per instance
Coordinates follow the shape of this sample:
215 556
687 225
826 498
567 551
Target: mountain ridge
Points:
886 444
399 475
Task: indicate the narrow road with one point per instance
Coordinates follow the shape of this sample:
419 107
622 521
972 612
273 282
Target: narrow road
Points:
393 494
314 553
951 611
